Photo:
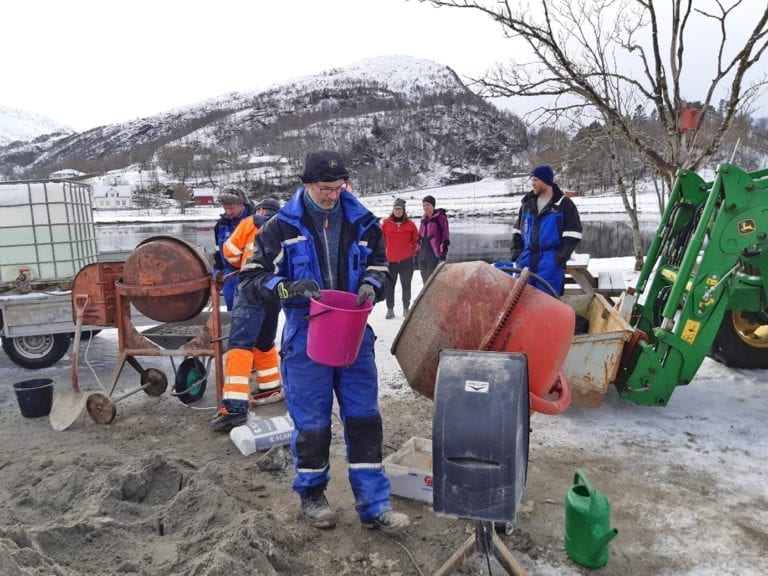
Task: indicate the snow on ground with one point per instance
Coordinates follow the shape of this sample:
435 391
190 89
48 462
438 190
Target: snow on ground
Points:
484 198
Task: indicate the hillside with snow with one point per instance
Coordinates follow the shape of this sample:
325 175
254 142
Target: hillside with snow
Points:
399 121
21 126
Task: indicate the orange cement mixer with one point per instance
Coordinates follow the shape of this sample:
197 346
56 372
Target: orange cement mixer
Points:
474 306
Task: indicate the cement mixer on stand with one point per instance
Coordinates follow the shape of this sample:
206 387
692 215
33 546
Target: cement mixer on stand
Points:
169 281
474 306
502 344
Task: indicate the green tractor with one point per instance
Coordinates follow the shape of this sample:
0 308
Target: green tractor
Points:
703 289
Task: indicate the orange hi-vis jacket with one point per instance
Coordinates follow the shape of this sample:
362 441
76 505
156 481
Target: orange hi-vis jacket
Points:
239 247
240 363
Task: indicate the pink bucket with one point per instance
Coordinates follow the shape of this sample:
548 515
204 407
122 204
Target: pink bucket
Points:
336 327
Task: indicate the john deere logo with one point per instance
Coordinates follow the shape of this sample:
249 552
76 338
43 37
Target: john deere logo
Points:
746 226
333 163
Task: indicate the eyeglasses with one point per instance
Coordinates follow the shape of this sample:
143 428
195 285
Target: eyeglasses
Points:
328 190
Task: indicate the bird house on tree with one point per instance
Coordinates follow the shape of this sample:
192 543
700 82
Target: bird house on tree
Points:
689 119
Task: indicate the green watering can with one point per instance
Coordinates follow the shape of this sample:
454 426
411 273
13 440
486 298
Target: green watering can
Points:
587 523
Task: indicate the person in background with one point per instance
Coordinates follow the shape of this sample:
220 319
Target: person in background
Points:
547 231
236 208
325 238
251 344
434 238
401 238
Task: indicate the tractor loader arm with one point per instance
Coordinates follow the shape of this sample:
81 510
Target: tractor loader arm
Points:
703 287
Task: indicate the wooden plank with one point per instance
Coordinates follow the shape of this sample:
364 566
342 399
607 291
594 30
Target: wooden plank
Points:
610 282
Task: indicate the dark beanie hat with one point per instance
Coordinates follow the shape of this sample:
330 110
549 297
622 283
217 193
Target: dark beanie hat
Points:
399 202
230 195
544 173
324 166
429 200
269 203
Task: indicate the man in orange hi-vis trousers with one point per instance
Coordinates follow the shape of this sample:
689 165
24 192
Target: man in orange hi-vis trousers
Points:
251 336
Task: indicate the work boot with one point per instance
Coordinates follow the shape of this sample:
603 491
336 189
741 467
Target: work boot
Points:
315 508
389 522
390 313
266 397
224 421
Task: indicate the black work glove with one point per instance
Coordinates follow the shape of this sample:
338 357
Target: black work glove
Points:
514 254
308 288
365 292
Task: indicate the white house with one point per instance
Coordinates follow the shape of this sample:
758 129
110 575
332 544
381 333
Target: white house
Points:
112 197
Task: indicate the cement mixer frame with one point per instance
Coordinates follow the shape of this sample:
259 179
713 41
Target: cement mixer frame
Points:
165 340
169 281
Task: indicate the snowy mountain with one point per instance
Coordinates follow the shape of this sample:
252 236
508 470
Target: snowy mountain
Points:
22 126
400 121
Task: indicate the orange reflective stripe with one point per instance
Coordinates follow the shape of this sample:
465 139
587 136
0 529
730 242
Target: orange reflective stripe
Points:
267 366
237 371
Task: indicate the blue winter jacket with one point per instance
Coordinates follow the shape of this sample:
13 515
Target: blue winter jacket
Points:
286 249
543 242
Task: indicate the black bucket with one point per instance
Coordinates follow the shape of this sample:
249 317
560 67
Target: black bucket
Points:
35 397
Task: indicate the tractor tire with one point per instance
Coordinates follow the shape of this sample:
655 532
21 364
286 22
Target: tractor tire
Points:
742 341
35 352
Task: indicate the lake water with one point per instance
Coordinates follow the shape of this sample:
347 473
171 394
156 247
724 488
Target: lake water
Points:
471 238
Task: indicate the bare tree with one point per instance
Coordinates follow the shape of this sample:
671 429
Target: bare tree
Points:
182 195
606 57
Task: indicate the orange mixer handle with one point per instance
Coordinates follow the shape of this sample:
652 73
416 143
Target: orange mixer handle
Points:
562 388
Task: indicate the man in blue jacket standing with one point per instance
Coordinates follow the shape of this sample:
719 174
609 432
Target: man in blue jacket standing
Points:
547 231
325 238
236 208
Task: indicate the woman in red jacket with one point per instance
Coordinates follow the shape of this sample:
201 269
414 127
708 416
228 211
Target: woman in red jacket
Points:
401 238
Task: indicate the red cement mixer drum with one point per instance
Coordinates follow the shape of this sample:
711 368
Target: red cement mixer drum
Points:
474 306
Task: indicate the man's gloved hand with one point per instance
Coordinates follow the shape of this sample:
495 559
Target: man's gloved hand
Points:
308 288
365 292
514 254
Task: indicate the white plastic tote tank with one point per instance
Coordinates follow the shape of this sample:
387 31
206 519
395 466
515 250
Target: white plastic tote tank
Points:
46 228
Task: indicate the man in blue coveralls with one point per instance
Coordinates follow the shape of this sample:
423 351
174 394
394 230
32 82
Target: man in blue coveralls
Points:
236 208
325 238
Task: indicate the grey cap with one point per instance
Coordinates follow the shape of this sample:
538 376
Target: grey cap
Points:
269 203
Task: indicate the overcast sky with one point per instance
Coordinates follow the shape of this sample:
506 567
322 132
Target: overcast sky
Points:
86 63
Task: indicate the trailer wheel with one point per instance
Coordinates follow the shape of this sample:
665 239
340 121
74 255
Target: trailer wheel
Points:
742 341
35 352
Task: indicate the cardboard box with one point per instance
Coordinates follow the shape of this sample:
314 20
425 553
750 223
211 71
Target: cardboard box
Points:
410 470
